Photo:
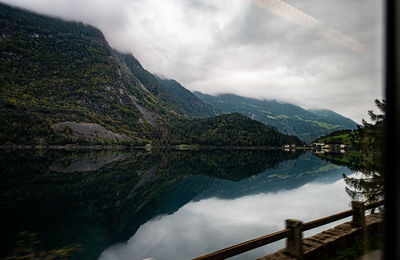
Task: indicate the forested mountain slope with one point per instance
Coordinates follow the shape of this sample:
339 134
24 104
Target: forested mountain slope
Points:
229 130
289 119
62 83
185 100
55 71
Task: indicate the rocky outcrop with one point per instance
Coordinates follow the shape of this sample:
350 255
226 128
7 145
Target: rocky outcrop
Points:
90 131
151 117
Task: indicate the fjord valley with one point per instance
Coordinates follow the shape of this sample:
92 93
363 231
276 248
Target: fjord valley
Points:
62 83
103 157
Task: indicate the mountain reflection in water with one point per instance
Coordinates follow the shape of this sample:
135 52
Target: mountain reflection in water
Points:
100 198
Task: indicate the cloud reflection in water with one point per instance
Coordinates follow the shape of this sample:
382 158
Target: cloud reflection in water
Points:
211 224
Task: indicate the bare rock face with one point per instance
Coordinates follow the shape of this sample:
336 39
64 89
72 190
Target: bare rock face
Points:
151 117
90 131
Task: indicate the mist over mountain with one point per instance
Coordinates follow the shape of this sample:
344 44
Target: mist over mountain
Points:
63 83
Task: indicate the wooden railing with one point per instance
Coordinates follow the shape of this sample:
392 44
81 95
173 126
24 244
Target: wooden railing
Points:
293 232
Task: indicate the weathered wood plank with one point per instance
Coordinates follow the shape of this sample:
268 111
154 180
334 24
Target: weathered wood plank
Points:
326 220
245 246
326 243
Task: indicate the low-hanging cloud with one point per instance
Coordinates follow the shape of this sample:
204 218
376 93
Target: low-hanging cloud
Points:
235 46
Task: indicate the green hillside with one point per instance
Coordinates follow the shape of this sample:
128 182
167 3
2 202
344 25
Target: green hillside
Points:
330 117
233 130
338 137
288 118
61 83
55 71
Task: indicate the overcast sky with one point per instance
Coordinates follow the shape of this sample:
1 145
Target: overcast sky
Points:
312 53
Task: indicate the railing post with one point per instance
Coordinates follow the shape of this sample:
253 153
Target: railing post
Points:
294 244
358 213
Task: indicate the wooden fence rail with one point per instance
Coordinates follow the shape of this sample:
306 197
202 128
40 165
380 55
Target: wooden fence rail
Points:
293 232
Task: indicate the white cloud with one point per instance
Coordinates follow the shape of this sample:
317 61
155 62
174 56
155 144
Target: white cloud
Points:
237 47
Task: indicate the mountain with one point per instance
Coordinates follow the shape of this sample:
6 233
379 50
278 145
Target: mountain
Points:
229 130
62 83
54 71
179 98
287 118
330 117
185 100
367 138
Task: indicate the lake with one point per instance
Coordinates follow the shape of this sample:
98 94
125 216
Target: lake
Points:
137 204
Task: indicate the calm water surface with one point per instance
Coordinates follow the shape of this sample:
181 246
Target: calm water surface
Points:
114 205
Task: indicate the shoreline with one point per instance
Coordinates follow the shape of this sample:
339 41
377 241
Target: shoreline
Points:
72 147
64 147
